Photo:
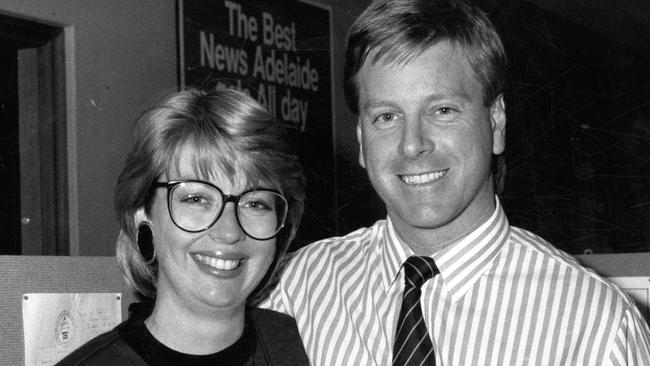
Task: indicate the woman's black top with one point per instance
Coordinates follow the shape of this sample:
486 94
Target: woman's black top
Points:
269 338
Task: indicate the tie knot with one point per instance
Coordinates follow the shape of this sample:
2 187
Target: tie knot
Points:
418 270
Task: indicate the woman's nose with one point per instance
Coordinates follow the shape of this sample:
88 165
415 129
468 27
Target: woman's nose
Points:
227 229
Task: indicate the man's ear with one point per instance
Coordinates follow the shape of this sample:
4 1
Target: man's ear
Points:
362 162
498 122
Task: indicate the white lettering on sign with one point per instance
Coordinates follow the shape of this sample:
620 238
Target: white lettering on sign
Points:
277 35
284 74
294 109
285 70
222 58
239 24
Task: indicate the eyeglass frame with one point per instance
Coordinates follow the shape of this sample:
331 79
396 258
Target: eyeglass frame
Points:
234 198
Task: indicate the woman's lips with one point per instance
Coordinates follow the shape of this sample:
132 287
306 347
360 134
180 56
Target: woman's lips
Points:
221 265
218 263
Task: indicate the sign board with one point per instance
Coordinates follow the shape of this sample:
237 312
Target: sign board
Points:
280 53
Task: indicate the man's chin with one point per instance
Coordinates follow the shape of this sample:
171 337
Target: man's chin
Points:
420 219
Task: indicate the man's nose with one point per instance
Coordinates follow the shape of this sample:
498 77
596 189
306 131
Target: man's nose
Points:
416 140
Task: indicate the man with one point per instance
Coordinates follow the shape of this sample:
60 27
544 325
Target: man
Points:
425 78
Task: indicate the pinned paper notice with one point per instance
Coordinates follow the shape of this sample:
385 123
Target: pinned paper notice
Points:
639 289
57 324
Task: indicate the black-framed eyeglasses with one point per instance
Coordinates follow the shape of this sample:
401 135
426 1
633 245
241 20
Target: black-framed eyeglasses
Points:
194 206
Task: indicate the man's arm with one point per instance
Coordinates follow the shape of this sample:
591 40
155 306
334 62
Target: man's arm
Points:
632 342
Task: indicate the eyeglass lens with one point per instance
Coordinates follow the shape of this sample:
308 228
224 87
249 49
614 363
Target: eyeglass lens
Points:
195 206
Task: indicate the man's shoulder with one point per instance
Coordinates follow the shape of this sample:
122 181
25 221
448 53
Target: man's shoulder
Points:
567 266
332 253
360 239
535 243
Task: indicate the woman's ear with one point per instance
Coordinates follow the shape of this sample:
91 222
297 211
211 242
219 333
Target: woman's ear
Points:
144 236
140 216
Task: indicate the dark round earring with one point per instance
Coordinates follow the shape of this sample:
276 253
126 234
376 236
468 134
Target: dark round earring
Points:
145 243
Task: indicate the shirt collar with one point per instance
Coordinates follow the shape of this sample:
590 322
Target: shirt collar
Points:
461 263
392 253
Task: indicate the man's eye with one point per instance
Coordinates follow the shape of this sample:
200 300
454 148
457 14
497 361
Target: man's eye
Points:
445 111
384 119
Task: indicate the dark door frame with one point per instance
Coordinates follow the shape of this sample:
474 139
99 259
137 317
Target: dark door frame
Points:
42 123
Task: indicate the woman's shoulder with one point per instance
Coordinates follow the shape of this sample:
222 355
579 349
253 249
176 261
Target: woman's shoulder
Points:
270 319
278 338
106 349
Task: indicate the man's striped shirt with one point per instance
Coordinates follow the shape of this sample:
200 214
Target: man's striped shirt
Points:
504 296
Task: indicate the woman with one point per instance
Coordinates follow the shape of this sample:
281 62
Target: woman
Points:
209 199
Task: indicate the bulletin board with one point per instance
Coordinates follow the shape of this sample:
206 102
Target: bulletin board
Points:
21 275
279 52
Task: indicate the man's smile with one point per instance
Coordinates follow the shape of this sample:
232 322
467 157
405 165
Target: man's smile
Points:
423 178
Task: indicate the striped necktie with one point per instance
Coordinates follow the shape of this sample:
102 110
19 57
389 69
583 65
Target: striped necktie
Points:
412 342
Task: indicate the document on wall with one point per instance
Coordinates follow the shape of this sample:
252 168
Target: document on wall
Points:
56 324
639 289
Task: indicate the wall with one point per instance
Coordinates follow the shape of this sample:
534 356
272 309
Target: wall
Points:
120 56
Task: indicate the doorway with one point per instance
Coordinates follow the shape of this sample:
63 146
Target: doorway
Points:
33 156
